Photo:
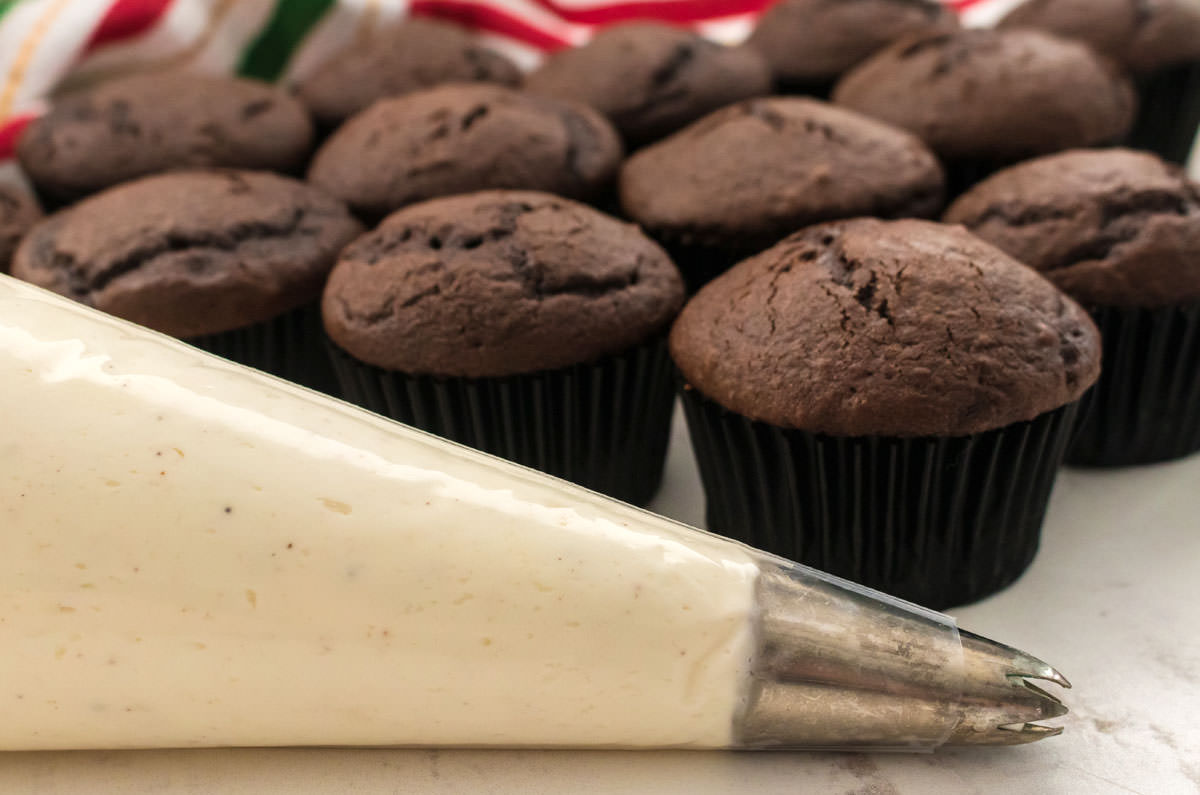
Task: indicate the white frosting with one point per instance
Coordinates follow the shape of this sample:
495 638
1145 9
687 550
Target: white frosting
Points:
195 554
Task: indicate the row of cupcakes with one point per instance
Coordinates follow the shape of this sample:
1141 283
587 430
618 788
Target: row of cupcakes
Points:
975 99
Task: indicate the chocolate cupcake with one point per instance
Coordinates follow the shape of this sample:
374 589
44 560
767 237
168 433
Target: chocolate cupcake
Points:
743 178
1159 42
886 401
145 124
651 79
983 99
18 212
1119 231
230 261
811 43
461 138
417 54
520 323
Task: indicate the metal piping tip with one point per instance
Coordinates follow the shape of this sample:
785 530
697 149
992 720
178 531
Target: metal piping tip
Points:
999 701
843 667
986 653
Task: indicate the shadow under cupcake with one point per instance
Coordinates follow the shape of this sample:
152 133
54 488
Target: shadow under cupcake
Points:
520 323
1119 231
886 401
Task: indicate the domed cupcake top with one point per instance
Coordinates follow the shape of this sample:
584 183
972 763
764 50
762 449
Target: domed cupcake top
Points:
133 126
1144 36
1110 227
420 53
465 137
905 328
750 174
651 79
191 253
815 41
992 94
498 283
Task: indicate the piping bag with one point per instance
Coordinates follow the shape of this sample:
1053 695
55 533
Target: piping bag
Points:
197 554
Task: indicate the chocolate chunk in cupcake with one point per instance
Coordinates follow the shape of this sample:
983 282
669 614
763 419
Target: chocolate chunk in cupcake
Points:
134 126
1110 227
461 138
886 401
748 175
1142 36
191 253
417 54
520 323
990 95
810 43
651 79
18 212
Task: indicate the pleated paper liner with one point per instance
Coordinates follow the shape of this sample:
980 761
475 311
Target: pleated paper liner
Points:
1146 406
290 346
604 425
936 521
1168 113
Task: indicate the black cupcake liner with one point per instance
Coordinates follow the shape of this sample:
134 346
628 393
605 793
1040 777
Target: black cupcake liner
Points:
936 521
604 425
1168 112
289 346
1146 406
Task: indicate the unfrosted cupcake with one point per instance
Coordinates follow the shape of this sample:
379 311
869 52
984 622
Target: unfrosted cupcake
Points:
651 79
419 53
1119 231
97 137
983 99
230 261
811 43
887 401
466 137
745 177
520 323
1159 42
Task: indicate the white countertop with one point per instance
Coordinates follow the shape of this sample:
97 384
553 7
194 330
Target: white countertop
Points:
1113 601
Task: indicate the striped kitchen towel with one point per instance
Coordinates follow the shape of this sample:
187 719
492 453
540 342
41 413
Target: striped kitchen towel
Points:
49 45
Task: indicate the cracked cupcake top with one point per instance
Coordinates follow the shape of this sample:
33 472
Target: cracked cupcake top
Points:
651 79
191 253
465 137
145 124
416 54
1144 35
749 174
990 94
1110 227
875 328
18 212
498 283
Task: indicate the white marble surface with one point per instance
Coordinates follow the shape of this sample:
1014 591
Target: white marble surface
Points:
1113 600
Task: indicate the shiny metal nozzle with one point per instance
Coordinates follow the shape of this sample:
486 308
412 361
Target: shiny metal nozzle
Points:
999 701
840 666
